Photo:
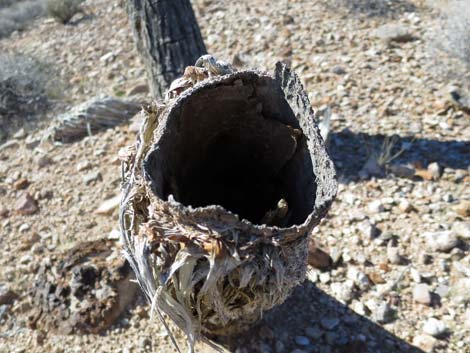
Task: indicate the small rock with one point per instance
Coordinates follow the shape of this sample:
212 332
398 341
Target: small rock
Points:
359 278
21 184
43 161
32 142
314 332
463 208
393 255
20 134
442 290
394 32
376 206
108 57
329 323
435 170
415 275
145 342
343 291
4 212
7 296
302 340
108 206
26 205
425 342
338 70
114 234
9 144
24 227
84 165
325 277
368 229
317 257
460 291
441 241
91 177
422 294
461 230
434 327
405 206
402 171
383 313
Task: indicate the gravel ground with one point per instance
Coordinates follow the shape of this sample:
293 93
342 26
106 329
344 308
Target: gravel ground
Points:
397 234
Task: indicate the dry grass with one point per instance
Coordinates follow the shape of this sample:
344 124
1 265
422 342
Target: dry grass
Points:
25 83
63 10
17 15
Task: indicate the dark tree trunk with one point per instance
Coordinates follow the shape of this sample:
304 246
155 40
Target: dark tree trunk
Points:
168 38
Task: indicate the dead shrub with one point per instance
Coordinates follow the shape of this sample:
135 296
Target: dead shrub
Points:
63 10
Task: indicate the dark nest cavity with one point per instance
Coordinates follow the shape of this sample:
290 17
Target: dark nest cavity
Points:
237 145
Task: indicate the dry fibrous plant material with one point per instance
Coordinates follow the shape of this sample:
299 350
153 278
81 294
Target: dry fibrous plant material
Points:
24 87
82 290
227 179
90 117
16 15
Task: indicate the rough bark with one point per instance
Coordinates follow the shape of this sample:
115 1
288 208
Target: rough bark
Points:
167 37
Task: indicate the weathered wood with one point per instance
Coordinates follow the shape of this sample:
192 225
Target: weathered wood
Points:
167 37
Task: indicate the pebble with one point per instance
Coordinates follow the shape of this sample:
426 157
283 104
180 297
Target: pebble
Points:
329 323
314 332
422 294
461 230
84 165
441 241
435 170
43 161
302 340
26 205
434 327
425 342
405 206
368 229
359 278
463 208
393 32
460 291
7 296
317 257
343 291
91 177
382 313
325 277
376 206
108 206
393 255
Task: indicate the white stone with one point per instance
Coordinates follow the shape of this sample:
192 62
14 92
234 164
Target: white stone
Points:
422 294
434 327
461 230
359 278
375 206
441 241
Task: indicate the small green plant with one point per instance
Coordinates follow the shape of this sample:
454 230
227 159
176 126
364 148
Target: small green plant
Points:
64 10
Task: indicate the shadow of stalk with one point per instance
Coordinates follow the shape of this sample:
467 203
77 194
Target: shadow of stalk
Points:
350 151
338 329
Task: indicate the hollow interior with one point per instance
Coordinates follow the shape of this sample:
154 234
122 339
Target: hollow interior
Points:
237 145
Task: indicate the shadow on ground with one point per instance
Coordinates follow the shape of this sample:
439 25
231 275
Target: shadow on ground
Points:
310 307
350 151
376 8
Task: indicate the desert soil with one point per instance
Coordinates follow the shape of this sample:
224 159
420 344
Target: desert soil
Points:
398 231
